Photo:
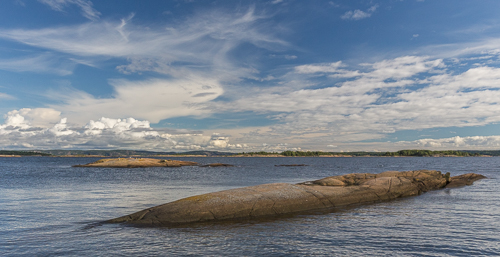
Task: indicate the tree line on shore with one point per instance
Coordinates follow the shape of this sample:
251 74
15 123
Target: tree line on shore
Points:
122 153
23 153
419 153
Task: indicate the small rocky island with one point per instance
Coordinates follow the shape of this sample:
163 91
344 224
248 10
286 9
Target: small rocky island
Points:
137 163
282 198
146 162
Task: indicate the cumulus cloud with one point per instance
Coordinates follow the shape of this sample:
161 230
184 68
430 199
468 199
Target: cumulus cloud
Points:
27 117
85 5
25 129
358 14
195 75
474 142
403 93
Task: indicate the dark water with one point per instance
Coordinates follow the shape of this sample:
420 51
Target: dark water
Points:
48 208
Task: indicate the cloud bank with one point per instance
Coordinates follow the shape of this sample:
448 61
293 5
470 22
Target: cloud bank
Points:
404 93
153 100
38 129
209 64
474 142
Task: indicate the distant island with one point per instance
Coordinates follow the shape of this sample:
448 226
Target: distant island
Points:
139 153
22 153
401 153
136 163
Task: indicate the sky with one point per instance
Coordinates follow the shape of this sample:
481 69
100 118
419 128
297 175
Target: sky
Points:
247 76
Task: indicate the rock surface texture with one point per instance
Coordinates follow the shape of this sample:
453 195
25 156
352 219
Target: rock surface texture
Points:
281 198
137 163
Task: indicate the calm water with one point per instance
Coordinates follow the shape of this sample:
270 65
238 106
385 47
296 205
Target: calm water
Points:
48 208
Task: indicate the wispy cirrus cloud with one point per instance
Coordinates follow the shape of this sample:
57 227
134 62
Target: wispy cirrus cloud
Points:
86 7
6 96
194 57
189 68
40 63
206 39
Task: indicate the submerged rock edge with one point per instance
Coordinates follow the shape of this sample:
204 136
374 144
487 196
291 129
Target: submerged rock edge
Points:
281 198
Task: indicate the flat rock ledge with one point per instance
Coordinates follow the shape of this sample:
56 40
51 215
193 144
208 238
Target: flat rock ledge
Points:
281 198
137 163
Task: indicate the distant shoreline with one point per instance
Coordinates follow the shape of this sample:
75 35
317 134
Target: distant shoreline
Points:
233 156
261 154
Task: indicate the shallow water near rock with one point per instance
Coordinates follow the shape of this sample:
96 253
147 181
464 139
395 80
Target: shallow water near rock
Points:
49 208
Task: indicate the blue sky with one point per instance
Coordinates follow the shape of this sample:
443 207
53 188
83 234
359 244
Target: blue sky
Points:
250 75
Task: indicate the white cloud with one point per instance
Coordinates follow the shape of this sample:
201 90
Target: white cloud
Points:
27 117
404 93
333 4
43 63
194 54
203 40
19 131
319 68
194 62
85 5
153 100
474 142
355 15
6 96
358 14
482 46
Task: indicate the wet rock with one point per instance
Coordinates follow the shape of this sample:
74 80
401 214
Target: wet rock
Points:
464 180
281 198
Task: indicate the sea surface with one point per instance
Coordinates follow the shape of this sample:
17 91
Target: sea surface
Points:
48 208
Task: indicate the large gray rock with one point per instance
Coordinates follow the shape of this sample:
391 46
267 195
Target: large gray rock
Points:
281 198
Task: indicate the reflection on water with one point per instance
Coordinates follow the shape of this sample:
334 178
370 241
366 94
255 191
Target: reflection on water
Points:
49 208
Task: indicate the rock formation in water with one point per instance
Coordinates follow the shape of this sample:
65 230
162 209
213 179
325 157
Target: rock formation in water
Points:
463 180
137 163
290 165
217 165
281 198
